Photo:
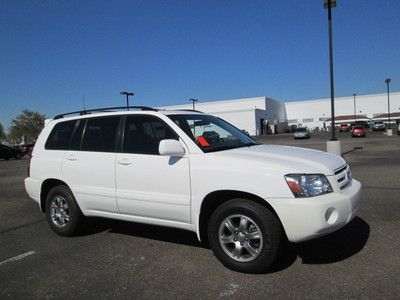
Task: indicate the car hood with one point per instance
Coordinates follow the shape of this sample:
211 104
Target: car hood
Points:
287 159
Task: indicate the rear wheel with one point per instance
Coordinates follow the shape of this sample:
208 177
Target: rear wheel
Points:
244 236
62 211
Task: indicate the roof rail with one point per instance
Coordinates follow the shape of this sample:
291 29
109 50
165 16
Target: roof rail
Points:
189 110
104 109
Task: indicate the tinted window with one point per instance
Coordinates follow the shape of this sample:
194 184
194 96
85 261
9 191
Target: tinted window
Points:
77 136
60 136
100 134
143 134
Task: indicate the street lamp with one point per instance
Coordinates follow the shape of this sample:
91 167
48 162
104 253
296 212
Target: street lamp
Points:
329 4
193 101
127 98
387 81
354 95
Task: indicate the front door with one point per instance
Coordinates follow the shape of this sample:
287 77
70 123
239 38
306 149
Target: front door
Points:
150 185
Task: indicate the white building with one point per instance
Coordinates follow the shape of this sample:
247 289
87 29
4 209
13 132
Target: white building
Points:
313 113
261 114
256 115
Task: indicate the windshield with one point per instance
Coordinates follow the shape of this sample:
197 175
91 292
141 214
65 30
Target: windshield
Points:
301 129
211 133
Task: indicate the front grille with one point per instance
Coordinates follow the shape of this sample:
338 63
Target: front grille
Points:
343 176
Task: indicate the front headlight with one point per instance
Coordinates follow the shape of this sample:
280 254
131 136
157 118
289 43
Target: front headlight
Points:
308 185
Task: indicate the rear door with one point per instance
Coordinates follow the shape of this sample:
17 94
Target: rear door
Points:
89 164
150 185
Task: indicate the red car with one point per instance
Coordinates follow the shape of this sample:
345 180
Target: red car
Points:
344 127
358 131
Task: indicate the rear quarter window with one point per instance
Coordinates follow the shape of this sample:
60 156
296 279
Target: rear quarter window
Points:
60 136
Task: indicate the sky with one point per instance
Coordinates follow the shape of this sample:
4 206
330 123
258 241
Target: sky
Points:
54 53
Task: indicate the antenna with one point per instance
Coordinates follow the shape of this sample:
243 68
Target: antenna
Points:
83 103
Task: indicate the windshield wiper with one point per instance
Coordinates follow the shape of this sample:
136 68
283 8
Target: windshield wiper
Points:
225 147
252 144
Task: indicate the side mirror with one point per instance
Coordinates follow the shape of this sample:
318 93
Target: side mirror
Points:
171 148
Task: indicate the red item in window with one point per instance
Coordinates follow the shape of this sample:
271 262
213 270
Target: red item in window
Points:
202 141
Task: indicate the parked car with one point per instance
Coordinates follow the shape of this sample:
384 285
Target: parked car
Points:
301 133
378 126
344 127
358 131
29 149
157 167
7 152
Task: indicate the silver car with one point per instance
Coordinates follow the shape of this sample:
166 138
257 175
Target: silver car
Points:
302 133
378 126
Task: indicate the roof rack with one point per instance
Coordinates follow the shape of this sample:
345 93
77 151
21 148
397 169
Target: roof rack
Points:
189 110
104 109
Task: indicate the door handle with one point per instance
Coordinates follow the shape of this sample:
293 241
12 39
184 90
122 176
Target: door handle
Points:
125 162
71 157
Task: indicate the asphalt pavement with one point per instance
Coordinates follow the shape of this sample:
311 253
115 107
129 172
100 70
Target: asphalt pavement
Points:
127 260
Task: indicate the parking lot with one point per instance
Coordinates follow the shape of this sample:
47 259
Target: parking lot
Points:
128 260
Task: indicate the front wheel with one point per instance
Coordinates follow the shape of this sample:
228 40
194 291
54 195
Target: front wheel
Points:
244 236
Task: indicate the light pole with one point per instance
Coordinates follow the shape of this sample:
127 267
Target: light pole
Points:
127 98
329 4
387 81
354 95
193 101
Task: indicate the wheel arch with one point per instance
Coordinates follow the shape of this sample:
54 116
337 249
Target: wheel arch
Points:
46 187
216 198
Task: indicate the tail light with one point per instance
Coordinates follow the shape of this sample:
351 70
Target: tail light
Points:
28 169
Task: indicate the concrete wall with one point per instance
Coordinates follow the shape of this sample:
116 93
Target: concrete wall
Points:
239 112
244 113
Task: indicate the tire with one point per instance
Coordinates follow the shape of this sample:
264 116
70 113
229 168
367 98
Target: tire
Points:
7 158
252 250
18 156
63 213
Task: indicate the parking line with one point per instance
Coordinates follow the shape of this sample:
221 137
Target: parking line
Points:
19 257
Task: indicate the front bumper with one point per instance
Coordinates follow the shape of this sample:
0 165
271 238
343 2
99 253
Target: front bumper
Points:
307 218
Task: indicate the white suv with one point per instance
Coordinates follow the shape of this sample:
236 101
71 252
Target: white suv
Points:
193 171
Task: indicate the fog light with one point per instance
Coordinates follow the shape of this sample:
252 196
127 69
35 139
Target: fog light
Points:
331 215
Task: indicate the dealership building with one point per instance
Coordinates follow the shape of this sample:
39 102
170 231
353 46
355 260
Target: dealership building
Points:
262 115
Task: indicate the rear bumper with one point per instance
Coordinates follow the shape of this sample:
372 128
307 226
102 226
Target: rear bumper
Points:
307 218
32 187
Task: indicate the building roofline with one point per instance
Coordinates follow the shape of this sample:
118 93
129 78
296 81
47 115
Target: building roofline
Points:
339 98
222 101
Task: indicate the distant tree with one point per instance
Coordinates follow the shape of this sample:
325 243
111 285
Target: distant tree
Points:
27 126
2 133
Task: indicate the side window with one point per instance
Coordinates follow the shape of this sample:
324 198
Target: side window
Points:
77 135
100 134
60 136
143 134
